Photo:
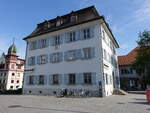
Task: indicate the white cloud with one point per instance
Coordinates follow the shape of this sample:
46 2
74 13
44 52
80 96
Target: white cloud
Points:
142 14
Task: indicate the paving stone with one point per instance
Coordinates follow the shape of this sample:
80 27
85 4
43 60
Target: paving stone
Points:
131 103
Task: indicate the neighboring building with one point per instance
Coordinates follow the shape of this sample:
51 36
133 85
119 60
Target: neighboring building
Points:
11 70
76 52
129 79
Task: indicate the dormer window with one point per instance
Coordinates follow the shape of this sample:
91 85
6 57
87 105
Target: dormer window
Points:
58 21
53 24
48 24
73 18
45 24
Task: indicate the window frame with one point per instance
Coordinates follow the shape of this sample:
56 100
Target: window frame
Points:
86 33
41 80
31 80
72 78
55 79
56 57
87 78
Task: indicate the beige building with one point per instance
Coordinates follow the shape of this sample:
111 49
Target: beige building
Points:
11 70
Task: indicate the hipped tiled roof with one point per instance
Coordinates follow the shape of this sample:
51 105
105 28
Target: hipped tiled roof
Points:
129 58
83 15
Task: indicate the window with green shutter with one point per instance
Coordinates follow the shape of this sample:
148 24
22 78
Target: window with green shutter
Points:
42 59
88 53
56 57
31 61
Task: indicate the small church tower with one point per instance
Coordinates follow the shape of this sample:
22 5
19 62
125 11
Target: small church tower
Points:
11 70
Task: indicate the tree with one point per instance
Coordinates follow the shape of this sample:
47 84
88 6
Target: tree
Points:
142 61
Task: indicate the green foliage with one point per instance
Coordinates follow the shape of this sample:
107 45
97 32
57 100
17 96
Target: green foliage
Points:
144 38
142 62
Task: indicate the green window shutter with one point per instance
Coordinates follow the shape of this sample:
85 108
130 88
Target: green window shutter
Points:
92 52
66 56
38 78
93 78
51 58
61 38
92 31
50 79
30 46
35 59
29 61
46 57
78 54
66 79
38 44
35 79
60 78
67 37
78 35
79 78
52 41
38 60
81 34
61 57
27 80
47 42
45 79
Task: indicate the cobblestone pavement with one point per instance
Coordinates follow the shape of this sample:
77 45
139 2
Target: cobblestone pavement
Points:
130 103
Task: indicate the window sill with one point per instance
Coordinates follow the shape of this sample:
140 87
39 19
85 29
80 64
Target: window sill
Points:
87 58
55 84
72 84
90 84
40 84
56 45
56 62
71 41
31 84
32 65
69 60
42 64
86 38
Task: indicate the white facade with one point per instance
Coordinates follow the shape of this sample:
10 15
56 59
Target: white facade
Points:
98 65
14 82
11 72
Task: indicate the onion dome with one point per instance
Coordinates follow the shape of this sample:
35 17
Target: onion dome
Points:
12 50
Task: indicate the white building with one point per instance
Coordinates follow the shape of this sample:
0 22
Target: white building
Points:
11 70
129 78
74 52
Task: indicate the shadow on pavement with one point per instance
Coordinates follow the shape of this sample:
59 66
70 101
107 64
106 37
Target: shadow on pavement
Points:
19 106
140 99
145 103
120 103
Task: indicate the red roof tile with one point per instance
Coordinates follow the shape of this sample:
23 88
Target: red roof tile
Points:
129 58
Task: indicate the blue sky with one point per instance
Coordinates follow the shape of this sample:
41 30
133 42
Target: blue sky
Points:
126 18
